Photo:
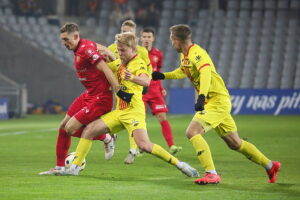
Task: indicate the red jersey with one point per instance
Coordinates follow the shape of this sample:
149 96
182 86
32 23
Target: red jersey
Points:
86 58
156 57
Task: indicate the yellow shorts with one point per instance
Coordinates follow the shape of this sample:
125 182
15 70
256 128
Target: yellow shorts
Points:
217 116
130 119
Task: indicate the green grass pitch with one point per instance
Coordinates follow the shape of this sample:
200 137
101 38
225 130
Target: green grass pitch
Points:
28 147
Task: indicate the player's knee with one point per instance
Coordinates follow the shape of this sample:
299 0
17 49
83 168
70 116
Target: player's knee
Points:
69 129
161 117
144 146
234 145
192 132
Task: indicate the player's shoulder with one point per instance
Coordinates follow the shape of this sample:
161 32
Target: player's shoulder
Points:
142 49
197 49
86 46
112 46
137 61
156 51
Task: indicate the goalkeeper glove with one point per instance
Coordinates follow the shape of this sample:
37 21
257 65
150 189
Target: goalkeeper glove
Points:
145 90
125 96
199 106
157 76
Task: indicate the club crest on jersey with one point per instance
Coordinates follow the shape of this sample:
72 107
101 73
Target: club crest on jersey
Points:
155 59
135 122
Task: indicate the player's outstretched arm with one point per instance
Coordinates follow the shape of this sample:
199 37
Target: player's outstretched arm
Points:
141 79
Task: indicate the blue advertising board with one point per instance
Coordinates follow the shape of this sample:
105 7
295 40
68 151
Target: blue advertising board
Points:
3 108
244 101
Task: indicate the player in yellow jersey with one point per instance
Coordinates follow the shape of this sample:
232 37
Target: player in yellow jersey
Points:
132 76
212 108
130 26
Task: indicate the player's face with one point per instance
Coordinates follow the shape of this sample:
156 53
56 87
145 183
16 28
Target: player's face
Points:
175 43
69 40
147 39
127 29
125 52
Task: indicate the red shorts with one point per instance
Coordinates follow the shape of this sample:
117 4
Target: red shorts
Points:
86 108
156 103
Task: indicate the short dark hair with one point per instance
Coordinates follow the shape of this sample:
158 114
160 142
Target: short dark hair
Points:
69 27
148 30
181 32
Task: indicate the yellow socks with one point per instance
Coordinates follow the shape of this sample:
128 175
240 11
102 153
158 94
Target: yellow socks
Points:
82 150
158 151
203 152
253 154
133 145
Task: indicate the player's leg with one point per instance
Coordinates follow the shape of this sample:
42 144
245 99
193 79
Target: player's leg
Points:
144 143
62 146
167 132
87 114
194 133
132 151
251 152
85 143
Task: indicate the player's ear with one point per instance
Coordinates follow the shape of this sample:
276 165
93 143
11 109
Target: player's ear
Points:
76 36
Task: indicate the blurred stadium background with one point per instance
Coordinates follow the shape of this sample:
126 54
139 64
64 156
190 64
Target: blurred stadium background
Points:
254 44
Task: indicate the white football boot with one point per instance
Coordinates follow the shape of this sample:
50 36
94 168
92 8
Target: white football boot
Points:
187 169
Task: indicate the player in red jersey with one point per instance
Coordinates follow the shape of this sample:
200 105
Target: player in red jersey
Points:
97 100
154 97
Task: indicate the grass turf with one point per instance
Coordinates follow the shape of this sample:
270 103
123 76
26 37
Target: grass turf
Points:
28 147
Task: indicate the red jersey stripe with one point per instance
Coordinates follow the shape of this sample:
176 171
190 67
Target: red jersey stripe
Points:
203 66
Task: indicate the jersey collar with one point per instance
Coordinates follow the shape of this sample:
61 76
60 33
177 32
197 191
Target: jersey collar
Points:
188 50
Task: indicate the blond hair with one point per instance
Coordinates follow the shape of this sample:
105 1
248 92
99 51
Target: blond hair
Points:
129 23
127 38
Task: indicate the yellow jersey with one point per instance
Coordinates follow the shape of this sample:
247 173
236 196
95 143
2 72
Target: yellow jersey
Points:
136 66
199 68
141 52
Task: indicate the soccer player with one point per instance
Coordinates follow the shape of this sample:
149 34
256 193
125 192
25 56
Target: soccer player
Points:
212 108
97 100
130 26
154 97
132 75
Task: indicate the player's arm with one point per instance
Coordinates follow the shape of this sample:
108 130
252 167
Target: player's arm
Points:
204 68
102 66
175 74
106 53
142 79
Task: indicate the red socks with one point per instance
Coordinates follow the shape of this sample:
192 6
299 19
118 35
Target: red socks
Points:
62 147
167 132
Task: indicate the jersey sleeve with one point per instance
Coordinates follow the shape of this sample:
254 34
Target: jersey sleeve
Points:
202 62
141 69
92 55
176 74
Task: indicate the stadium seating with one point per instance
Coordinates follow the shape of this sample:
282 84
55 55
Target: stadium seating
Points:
253 43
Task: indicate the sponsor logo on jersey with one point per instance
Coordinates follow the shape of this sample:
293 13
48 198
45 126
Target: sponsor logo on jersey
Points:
155 59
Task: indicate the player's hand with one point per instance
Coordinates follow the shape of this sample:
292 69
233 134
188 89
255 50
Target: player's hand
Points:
157 76
145 90
164 92
125 96
128 76
199 106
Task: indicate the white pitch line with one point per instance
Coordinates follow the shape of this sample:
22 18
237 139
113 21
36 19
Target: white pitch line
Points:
25 132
